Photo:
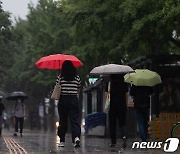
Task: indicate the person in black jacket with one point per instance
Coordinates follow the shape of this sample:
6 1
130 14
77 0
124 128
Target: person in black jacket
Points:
141 99
118 107
2 108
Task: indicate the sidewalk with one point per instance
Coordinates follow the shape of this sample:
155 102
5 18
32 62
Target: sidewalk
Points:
40 142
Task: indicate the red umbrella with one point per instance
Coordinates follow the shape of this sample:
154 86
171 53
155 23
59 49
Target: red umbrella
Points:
56 61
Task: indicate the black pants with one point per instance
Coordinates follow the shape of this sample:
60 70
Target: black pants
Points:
115 115
19 123
68 107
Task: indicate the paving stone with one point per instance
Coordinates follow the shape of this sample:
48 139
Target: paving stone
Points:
40 142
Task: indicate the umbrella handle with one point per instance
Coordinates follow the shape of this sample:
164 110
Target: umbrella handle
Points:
59 67
150 109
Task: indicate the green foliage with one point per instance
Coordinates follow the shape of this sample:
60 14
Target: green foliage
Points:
125 29
48 28
149 24
6 44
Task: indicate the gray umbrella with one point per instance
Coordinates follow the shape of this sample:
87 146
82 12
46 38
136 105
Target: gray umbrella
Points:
2 95
111 69
16 94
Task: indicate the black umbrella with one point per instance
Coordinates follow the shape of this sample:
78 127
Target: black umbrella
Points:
16 94
2 95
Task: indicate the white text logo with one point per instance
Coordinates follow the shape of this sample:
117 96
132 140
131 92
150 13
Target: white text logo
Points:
170 145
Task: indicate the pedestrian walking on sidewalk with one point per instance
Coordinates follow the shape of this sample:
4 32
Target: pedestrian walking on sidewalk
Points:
68 106
19 116
118 107
2 108
141 99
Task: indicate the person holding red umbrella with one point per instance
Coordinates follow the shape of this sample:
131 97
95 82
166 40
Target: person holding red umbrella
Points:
70 87
69 104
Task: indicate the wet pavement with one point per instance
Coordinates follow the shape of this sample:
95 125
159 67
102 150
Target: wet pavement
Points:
40 142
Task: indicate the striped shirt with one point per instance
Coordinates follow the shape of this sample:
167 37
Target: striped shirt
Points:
69 87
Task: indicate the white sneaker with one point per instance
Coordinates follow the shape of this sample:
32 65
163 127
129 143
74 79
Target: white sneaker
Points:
76 142
61 144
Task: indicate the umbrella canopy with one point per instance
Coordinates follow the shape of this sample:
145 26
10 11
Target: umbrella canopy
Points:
55 61
143 77
111 69
2 95
16 94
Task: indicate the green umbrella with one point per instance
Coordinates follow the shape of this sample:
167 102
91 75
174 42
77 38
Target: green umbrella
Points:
143 77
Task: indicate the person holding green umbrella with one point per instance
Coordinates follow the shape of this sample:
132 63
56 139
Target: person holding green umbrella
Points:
142 81
141 99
